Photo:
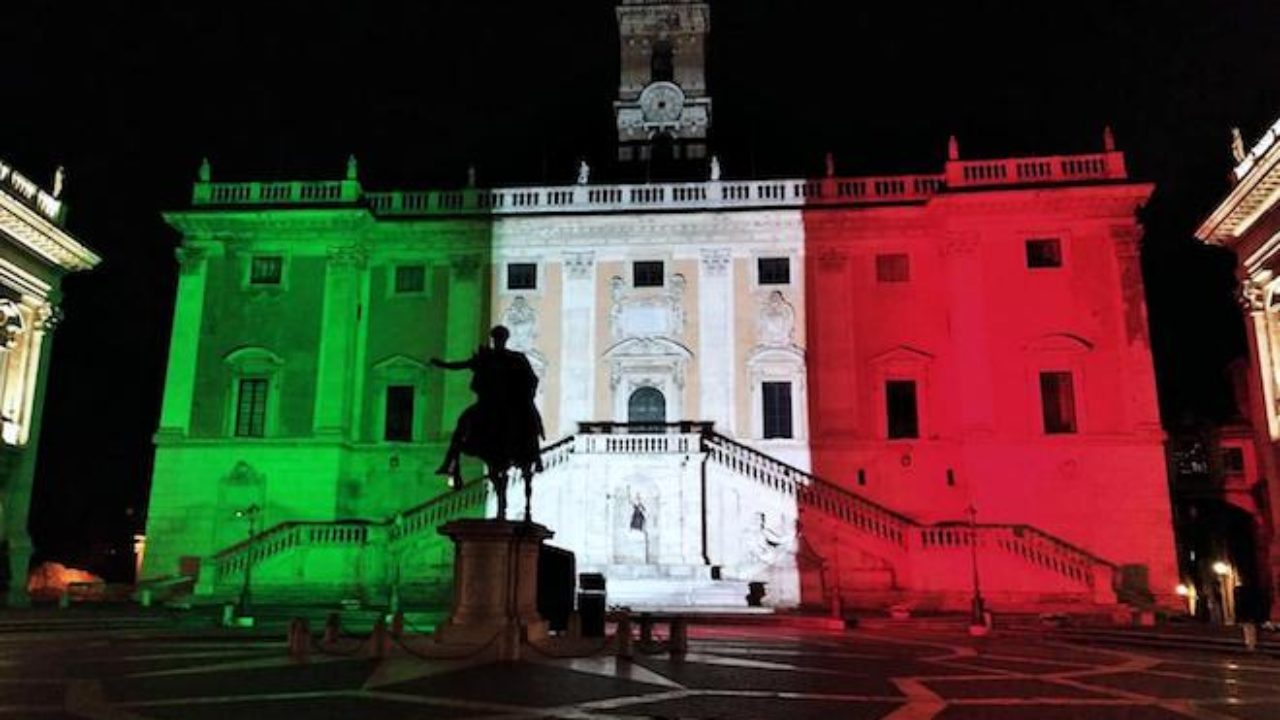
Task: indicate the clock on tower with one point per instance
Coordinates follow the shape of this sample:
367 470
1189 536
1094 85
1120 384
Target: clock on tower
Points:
663 110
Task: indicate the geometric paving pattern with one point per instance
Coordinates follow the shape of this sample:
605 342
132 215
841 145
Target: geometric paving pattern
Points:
50 671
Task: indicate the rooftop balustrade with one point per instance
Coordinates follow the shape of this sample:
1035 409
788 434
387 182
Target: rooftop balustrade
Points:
708 195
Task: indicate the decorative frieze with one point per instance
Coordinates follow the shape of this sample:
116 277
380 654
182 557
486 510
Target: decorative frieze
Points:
716 261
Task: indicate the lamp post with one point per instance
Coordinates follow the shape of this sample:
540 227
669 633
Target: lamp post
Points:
1226 585
251 514
977 609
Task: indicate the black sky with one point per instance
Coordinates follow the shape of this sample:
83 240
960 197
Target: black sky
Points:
129 98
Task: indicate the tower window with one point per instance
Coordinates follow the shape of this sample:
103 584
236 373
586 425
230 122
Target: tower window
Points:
251 408
773 271
522 276
1044 253
266 270
410 279
646 273
893 268
1057 403
900 407
399 415
777 409
662 66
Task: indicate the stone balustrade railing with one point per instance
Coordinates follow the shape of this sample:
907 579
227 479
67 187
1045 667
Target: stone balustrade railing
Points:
708 195
21 187
283 537
1031 545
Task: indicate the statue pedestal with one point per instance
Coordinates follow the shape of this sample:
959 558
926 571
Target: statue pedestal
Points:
495 577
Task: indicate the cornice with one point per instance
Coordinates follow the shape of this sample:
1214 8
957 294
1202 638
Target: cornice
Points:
211 222
1251 198
43 239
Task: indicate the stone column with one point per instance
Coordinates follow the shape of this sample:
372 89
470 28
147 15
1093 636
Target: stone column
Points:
184 341
335 366
18 487
1262 374
577 341
716 339
464 331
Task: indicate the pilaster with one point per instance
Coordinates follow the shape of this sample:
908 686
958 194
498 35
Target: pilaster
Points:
972 372
463 332
716 342
335 367
577 341
184 341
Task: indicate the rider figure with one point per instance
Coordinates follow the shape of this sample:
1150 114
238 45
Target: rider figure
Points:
503 423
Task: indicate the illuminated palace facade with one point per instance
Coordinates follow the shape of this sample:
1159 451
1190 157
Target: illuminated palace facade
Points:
36 251
1247 222
791 390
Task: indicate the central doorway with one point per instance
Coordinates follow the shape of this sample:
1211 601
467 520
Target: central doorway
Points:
646 410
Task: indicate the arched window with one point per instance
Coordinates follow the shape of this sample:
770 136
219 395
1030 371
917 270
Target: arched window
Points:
662 66
647 407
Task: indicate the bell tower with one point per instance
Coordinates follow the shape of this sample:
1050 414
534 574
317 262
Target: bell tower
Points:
663 110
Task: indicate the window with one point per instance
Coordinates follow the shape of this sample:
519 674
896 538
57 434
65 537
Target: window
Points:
646 273
1057 403
893 268
522 276
251 408
900 407
1044 253
399 414
777 409
266 270
662 63
410 279
1233 461
773 271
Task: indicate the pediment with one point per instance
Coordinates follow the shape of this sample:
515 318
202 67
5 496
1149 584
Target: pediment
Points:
1060 343
902 355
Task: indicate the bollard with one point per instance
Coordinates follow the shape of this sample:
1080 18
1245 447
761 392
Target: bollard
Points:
144 597
379 641
397 624
623 633
332 629
679 644
64 600
299 639
228 614
575 626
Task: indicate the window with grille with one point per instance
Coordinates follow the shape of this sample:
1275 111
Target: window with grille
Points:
893 268
251 408
901 409
1044 253
646 273
410 279
777 410
1057 402
399 414
266 270
522 276
773 271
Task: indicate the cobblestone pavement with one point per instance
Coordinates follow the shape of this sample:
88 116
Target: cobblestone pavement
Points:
132 670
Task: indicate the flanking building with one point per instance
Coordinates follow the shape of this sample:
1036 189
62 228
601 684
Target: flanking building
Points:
36 251
786 391
1247 222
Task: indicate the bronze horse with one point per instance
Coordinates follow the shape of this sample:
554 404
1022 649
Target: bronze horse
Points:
503 428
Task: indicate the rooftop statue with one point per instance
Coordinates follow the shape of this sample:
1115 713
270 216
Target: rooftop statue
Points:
1237 145
584 173
503 428
715 168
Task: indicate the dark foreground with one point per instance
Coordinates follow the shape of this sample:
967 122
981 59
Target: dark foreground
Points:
86 665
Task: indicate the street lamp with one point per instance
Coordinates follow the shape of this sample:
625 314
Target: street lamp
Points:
251 514
978 618
1226 584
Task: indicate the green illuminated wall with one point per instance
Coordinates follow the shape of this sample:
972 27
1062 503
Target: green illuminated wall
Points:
330 338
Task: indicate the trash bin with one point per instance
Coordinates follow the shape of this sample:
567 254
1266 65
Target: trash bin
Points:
591 604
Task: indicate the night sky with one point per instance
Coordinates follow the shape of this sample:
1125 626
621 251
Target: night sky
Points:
129 100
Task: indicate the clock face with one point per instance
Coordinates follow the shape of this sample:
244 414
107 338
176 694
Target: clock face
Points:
662 102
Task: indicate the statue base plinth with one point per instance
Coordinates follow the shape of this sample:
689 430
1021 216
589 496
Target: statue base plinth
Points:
495 577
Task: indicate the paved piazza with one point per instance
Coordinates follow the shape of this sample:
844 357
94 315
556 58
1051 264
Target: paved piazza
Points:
88 666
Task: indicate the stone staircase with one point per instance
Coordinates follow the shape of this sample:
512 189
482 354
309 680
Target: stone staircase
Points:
926 564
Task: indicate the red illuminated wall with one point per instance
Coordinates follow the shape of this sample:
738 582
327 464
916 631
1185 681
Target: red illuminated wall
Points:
974 327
